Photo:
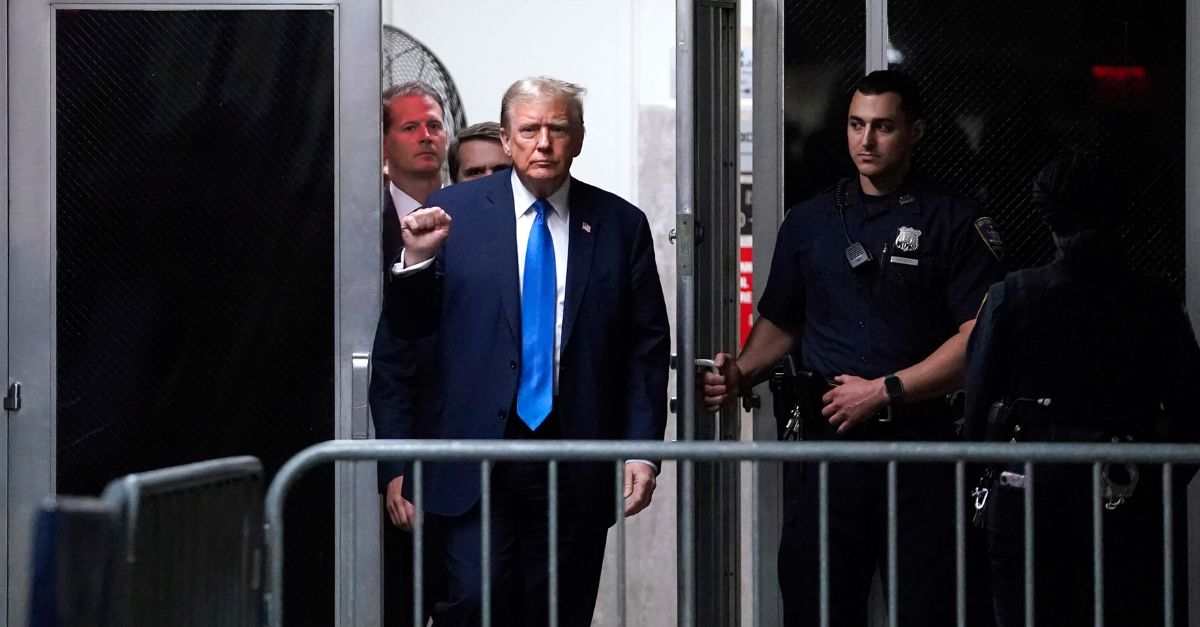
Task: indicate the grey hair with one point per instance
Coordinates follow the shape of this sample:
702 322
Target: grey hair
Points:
542 87
409 88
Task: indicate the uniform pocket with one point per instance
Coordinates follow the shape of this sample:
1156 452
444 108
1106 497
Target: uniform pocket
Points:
909 273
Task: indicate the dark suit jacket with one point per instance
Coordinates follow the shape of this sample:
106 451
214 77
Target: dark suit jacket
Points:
396 379
392 240
615 344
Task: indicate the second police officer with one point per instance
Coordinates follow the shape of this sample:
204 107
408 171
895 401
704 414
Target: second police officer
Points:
874 283
1081 349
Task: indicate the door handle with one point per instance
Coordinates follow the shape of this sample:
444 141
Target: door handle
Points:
12 401
360 409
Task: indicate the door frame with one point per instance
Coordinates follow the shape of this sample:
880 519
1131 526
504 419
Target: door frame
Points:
4 310
29 276
1192 269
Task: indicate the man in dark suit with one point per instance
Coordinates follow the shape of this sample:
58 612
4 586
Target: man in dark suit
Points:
414 149
550 323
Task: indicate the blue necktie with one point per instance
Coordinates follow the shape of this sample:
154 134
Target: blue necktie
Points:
539 296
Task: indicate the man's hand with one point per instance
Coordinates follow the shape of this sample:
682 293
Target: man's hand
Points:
853 402
399 509
720 389
639 487
424 231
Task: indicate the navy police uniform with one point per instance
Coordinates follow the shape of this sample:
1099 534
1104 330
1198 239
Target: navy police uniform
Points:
934 256
1115 356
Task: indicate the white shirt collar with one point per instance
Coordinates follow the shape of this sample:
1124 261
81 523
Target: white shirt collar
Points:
523 198
404 203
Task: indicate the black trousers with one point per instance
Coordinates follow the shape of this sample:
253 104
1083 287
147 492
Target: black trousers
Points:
398 575
1063 540
520 550
858 543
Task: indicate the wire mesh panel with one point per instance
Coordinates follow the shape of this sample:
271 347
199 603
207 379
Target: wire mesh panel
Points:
195 232
1009 86
406 59
823 57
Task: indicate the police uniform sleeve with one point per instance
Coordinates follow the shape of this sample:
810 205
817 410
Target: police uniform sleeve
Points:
974 264
1181 367
984 365
782 300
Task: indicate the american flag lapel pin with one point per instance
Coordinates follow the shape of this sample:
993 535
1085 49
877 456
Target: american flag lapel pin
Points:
587 228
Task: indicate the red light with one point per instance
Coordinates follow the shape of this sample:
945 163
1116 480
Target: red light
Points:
1119 72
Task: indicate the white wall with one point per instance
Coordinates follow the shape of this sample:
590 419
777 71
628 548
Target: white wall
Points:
616 49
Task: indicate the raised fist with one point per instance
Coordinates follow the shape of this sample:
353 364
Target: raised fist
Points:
424 231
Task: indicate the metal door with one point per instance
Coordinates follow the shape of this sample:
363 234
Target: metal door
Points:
193 259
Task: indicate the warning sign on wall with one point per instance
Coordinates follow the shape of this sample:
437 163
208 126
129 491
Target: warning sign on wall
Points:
745 262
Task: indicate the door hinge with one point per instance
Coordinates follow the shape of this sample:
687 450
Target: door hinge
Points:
12 400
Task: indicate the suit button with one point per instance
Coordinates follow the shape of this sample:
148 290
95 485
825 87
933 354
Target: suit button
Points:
501 416
512 364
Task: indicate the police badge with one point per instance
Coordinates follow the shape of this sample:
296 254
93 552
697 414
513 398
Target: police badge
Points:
907 239
991 237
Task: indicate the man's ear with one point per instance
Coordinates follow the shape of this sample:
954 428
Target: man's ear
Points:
579 143
918 130
504 142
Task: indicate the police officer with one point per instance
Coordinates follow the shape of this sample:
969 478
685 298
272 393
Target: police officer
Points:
875 282
1080 349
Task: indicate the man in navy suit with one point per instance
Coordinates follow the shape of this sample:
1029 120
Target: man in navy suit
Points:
550 323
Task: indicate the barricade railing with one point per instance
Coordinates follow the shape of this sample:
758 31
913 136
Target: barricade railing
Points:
178 546
192 543
486 452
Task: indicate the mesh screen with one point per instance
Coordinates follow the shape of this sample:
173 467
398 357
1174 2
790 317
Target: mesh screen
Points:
823 56
1008 86
406 59
195 253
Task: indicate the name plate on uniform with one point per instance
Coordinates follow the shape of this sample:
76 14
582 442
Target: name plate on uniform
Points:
907 261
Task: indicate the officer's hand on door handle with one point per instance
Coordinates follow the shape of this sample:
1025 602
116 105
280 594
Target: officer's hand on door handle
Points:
721 387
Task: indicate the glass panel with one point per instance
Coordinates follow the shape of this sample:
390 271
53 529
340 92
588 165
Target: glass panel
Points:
823 56
1008 86
195 253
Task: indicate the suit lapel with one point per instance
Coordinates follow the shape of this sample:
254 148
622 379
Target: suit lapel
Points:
501 231
582 229
392 238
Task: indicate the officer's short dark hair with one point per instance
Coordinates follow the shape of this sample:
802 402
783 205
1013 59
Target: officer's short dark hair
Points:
894 82
1079 191
484 131
409 88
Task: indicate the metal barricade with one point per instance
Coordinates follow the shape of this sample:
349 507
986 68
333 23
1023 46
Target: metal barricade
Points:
75 555
893 454
179 546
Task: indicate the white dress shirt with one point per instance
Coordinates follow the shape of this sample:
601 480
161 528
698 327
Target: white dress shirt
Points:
403 202
557 221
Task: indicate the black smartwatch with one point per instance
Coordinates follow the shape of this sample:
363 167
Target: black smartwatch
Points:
894 388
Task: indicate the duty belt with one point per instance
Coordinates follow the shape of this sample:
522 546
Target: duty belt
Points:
929 414
1039 420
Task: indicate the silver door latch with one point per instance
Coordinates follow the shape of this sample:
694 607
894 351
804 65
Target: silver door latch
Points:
12 400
